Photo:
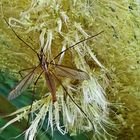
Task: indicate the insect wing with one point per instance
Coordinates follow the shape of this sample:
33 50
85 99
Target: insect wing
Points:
51 84
64 71
23 85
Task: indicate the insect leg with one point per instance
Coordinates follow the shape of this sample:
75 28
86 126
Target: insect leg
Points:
75 45
74 101
20 71
21 38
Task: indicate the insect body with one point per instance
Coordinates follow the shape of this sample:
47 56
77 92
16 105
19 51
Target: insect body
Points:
48 76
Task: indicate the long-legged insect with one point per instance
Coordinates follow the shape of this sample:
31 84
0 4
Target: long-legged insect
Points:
49 69
51 72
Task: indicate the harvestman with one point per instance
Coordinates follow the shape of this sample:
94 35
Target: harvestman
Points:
51 71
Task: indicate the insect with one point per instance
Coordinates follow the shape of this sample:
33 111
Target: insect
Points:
51 72
49 69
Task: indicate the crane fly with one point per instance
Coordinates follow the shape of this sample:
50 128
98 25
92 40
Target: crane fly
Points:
49 69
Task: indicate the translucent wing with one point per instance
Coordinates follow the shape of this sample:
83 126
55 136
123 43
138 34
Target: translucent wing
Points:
64 71
23 85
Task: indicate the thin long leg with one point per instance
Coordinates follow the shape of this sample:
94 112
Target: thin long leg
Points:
21 38
75 45
73 100
24 70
